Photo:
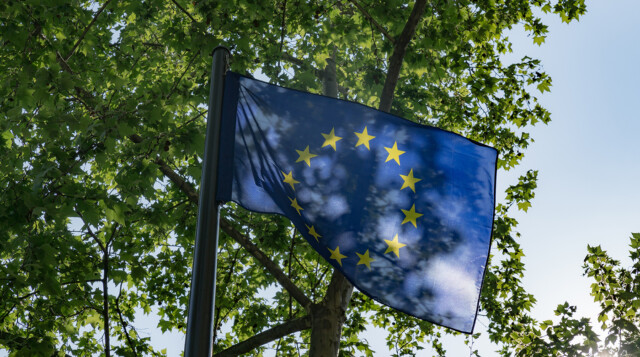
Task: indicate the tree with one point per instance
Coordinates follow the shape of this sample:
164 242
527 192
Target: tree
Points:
616 290
102 108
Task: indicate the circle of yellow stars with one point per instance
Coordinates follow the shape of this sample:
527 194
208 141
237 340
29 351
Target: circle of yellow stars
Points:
393 155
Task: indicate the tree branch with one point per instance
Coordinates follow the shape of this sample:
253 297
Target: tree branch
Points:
175 85
272 267
330 80
113 234
302 64
293 243
105 296
124 325
16 343
399 50
245 242
185 11
317 72
182 184
86 29
63 63
222 288
289 327
373 21
93 235
282 26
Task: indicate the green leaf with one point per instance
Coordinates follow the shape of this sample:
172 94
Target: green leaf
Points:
544 85
116 214
8 138
93 318
524 206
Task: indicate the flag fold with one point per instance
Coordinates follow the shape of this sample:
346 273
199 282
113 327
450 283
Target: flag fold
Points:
403 210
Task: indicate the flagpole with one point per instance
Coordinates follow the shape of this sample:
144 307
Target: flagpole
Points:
199 338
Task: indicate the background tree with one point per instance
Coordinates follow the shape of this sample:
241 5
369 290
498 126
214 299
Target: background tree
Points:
617 290
102 124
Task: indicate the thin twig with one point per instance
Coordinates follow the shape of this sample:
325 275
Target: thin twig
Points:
93 235
185 11
293 242
124 324
175 85
222 288
282 27
113 233
373 21
271 266
86 29
105 302
317 72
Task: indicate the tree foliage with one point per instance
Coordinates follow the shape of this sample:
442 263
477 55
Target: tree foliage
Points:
617 290
102 108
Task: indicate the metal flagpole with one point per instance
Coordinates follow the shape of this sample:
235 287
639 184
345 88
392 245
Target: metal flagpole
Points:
199 339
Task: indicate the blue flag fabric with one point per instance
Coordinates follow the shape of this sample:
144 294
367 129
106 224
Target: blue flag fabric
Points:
403 210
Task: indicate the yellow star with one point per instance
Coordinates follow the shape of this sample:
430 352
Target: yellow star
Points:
394 153
313 233
335 254
294 204
288 178
330 139
364 138
409 181
394 246
305 156
365 259
411 216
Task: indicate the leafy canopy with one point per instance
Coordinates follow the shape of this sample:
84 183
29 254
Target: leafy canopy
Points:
102 108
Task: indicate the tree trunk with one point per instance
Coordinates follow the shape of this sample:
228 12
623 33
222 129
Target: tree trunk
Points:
397 57
328 317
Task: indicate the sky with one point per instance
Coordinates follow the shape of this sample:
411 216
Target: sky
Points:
588 159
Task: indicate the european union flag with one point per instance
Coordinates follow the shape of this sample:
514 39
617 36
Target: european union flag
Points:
403 210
